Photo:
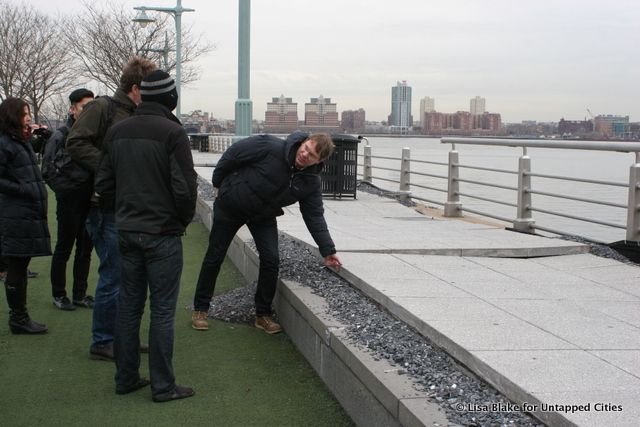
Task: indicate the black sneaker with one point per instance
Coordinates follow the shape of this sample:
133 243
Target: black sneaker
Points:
32 274
63 303
86 301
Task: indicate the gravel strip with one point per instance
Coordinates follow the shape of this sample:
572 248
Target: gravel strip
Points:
370 326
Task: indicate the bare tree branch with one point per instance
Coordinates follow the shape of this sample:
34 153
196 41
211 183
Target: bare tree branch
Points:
34 65
109 37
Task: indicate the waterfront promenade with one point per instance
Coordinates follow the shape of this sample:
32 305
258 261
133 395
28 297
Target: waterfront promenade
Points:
540 319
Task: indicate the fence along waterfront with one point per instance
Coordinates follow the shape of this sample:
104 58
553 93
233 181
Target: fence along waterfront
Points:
609 194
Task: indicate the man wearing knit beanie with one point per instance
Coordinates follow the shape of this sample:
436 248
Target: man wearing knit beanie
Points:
159 87
147 169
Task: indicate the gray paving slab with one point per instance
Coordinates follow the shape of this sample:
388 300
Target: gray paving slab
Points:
587 329
494 335
618 408
373 223
544 371
627 360
625 311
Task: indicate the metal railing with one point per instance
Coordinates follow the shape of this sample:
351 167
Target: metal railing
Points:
524 220
211 142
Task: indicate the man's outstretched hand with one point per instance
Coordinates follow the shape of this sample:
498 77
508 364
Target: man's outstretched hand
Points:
333 261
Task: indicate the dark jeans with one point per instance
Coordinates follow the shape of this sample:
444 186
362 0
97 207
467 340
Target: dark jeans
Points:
71 213
15 284
154 261
101 225
225 226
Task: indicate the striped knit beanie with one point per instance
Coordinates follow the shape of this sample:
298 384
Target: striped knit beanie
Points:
161 88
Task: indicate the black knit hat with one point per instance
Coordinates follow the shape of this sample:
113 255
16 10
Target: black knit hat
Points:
161 88
80 94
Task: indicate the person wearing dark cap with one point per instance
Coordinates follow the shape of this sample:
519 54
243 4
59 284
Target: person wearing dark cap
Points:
84 145
147 168
71 213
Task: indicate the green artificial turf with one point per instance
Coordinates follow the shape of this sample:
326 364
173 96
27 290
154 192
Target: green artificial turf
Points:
242 376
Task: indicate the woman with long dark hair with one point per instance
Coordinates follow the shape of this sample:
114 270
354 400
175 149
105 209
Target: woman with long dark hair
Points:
24 232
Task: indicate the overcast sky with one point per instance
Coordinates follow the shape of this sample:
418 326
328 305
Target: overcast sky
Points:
531 60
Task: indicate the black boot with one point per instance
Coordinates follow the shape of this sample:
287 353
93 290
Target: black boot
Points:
21 323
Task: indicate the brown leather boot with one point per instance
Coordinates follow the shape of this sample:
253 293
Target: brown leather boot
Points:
267 324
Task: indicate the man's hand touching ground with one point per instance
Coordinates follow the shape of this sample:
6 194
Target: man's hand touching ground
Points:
333 261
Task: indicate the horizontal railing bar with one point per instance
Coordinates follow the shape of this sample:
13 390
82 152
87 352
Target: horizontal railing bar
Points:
385 179
427 200
385 169
579 218
561 233
627 147
568 178
429 162
386 158
429 174
487 199
486 184
579 199
484 169
486 214
426 187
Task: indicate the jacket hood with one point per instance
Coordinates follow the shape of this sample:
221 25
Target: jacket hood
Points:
147 108
292 143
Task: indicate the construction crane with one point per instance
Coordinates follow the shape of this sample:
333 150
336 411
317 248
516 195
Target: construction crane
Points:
593 121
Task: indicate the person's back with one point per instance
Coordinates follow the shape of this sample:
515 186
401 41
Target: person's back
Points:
150 152
147 169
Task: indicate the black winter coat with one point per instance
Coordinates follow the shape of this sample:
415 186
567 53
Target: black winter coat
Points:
146 166
256 177
24 231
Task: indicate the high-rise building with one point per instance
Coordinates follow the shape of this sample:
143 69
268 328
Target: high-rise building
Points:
320 112
427 105
281 115
401 118
462 123
353 121
477 106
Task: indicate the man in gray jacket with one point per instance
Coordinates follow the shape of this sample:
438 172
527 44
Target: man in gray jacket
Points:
147 169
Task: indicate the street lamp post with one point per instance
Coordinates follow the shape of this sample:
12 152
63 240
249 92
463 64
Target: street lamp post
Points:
176 12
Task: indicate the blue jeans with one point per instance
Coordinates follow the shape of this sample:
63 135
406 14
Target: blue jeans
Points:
154 261
101 226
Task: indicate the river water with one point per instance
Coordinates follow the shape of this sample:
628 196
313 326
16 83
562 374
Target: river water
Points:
598 165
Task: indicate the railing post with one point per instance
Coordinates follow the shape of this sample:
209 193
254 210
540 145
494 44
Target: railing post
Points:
452 207
633 214
405 174
524 222
366 173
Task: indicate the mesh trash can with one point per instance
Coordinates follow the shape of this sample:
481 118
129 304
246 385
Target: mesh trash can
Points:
339 175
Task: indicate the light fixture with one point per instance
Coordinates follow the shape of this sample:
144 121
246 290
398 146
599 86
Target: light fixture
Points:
143 19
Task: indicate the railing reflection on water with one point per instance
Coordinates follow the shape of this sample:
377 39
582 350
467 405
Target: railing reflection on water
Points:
523 220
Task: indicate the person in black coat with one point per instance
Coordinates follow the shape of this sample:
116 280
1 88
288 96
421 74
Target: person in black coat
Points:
24 231
255 178
146 170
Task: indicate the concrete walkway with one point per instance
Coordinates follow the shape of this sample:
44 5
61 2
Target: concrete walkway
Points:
543 321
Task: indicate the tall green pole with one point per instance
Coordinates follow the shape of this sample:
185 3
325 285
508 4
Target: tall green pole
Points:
244 106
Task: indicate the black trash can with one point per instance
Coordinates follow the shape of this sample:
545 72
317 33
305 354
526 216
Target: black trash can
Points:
339 175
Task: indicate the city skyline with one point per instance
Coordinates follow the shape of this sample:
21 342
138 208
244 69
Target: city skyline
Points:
532 61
